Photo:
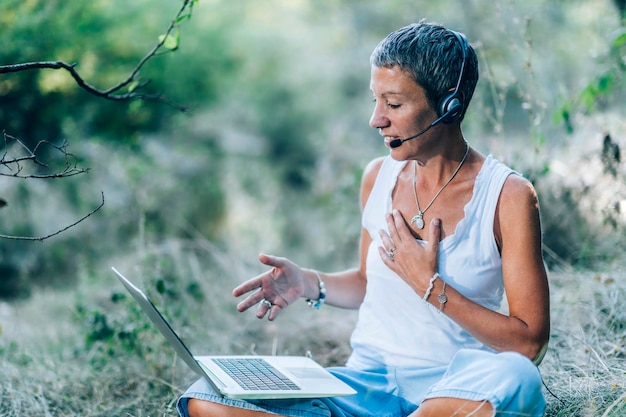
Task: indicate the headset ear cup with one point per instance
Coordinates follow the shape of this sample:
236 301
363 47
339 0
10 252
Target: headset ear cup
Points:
451 105
450 108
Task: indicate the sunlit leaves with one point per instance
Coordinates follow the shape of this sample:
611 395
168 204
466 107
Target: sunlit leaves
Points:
133 85
600 89
170 41
595 91
620 41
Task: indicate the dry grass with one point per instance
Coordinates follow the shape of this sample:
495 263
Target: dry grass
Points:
48 369
585 367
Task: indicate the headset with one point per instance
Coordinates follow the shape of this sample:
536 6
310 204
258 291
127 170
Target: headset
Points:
450 107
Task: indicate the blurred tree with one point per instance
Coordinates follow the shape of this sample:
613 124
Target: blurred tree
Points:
621 7
279 92
36 101
38 104
129 89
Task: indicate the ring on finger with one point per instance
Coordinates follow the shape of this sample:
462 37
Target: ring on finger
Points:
266 303
391 253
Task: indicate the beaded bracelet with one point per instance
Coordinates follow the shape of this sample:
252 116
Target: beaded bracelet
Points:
430 286
316 304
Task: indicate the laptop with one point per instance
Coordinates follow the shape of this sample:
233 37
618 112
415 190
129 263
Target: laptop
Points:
248 377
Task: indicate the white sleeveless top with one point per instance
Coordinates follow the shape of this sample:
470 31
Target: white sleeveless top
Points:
395 326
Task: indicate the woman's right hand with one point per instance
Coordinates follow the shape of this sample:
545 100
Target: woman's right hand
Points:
273 290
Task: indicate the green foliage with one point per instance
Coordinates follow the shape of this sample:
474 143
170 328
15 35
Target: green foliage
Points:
170 42
598 90
121 330
278 131
118 327
606 85
286 133
106 41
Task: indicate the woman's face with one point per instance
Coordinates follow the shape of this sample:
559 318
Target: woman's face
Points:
401 108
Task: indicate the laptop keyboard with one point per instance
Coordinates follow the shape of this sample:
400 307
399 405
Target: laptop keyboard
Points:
255 374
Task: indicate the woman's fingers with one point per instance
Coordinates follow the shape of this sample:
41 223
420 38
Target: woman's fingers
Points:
265 306
246 287
401 230
433 242
251 300
269 291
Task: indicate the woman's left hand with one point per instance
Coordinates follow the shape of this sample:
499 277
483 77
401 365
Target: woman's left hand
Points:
414 262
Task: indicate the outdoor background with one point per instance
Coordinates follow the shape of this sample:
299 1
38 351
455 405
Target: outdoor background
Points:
268 158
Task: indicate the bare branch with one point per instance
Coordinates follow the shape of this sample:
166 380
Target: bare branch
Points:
42 238
111 93
15 164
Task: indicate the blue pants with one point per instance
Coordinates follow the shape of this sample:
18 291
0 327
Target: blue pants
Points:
508 381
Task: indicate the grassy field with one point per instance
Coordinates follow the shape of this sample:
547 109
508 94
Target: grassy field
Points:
89 351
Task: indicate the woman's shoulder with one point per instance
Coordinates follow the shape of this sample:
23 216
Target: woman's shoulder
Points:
518 189
369 177
373 167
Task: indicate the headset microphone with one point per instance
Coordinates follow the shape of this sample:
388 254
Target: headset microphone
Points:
397 142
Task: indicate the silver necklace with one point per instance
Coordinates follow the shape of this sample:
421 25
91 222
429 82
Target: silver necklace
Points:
418 219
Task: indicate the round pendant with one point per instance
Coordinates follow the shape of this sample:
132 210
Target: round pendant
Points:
442 298
418 221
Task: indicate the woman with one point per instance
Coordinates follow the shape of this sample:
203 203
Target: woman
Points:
447 233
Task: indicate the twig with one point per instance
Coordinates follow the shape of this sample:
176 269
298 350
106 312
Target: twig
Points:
16 164
110 93
41 238
69 170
